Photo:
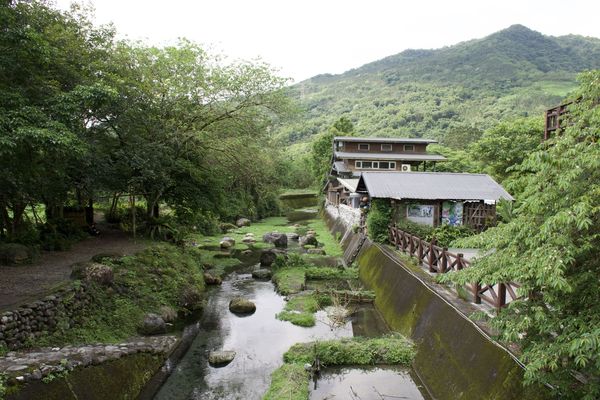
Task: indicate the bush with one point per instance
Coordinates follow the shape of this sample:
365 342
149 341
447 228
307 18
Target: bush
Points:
443 234
14 253
378 220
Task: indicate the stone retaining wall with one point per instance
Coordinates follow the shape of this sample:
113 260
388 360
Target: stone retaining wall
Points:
60 310
349 216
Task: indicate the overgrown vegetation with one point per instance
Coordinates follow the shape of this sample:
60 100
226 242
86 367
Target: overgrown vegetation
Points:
550 247
378 220
160 276
444 235
290 382
393 349
86 115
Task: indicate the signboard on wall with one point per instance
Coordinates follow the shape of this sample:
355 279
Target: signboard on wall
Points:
420 213
452 213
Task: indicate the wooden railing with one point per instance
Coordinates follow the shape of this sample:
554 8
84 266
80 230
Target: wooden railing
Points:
439 260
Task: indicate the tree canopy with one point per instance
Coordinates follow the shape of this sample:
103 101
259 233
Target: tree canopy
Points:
82 113
551 248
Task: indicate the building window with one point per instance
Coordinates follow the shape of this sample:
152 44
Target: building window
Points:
409 147
363 146
340 145
375 164
386 147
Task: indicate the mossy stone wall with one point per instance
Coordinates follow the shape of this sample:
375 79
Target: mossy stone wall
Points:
116 380
455 360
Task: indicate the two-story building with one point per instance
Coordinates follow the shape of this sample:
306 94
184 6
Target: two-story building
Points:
354 155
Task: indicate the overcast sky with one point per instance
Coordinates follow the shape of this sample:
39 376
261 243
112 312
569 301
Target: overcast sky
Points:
309 37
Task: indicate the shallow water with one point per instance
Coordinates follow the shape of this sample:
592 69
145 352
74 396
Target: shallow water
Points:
367 383
259 340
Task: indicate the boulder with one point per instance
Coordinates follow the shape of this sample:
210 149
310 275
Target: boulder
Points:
293 236
240 305
309 240
278 239
210 279
226 227
248 240
246 252
153 324
227 242
13 253
99 273
267 258
220 358
261 273
242 222
168 314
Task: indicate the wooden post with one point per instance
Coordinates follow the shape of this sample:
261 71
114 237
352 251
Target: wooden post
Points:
501 300
476 289
431 256
132 204
444 265
420 251
412 245
459 261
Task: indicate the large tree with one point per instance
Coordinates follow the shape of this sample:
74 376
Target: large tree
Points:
49 91
552 248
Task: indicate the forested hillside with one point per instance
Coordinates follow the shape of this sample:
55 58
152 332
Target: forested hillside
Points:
516 72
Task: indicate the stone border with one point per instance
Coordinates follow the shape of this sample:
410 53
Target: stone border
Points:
29 366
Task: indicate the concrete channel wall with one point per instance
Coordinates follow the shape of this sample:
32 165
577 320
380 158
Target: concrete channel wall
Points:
456 359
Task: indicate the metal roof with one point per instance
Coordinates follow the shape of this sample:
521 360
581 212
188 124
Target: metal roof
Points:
382 140
339 166
432 186
389 156
349 184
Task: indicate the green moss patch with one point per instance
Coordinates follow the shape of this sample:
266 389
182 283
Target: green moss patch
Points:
319 273
300 310
394 349
291 380
163 275
289 280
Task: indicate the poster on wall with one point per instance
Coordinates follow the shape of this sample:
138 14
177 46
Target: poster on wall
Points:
452 213
420 213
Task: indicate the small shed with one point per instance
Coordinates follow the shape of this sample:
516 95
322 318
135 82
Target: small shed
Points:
435 198
339 190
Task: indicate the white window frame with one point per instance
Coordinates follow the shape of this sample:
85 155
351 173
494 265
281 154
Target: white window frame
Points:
387 147
392 164
409 147
358 164
364 144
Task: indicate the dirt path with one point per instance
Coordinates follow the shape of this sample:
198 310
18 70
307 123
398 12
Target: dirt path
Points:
24 283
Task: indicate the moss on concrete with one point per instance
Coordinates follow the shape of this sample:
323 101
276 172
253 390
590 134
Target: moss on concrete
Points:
454 359
120 379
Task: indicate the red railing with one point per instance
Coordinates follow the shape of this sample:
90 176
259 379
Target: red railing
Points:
439 260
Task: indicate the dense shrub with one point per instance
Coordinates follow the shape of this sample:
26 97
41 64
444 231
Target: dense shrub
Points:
444 234
378 220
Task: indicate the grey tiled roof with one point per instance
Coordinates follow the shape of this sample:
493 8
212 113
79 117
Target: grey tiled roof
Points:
340 167
389 156
382 140
432 186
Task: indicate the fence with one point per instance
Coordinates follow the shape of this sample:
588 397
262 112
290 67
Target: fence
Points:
439 260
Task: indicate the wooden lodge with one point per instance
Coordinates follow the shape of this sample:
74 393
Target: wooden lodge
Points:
354 155
435 198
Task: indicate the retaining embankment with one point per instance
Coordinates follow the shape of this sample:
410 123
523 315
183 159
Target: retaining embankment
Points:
456 359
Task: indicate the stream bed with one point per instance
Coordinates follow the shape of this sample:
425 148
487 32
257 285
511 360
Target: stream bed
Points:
260 340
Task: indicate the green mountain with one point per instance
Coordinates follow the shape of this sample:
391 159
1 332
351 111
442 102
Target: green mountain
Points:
431 93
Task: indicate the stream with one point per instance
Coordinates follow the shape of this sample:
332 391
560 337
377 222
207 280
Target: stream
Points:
260 340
